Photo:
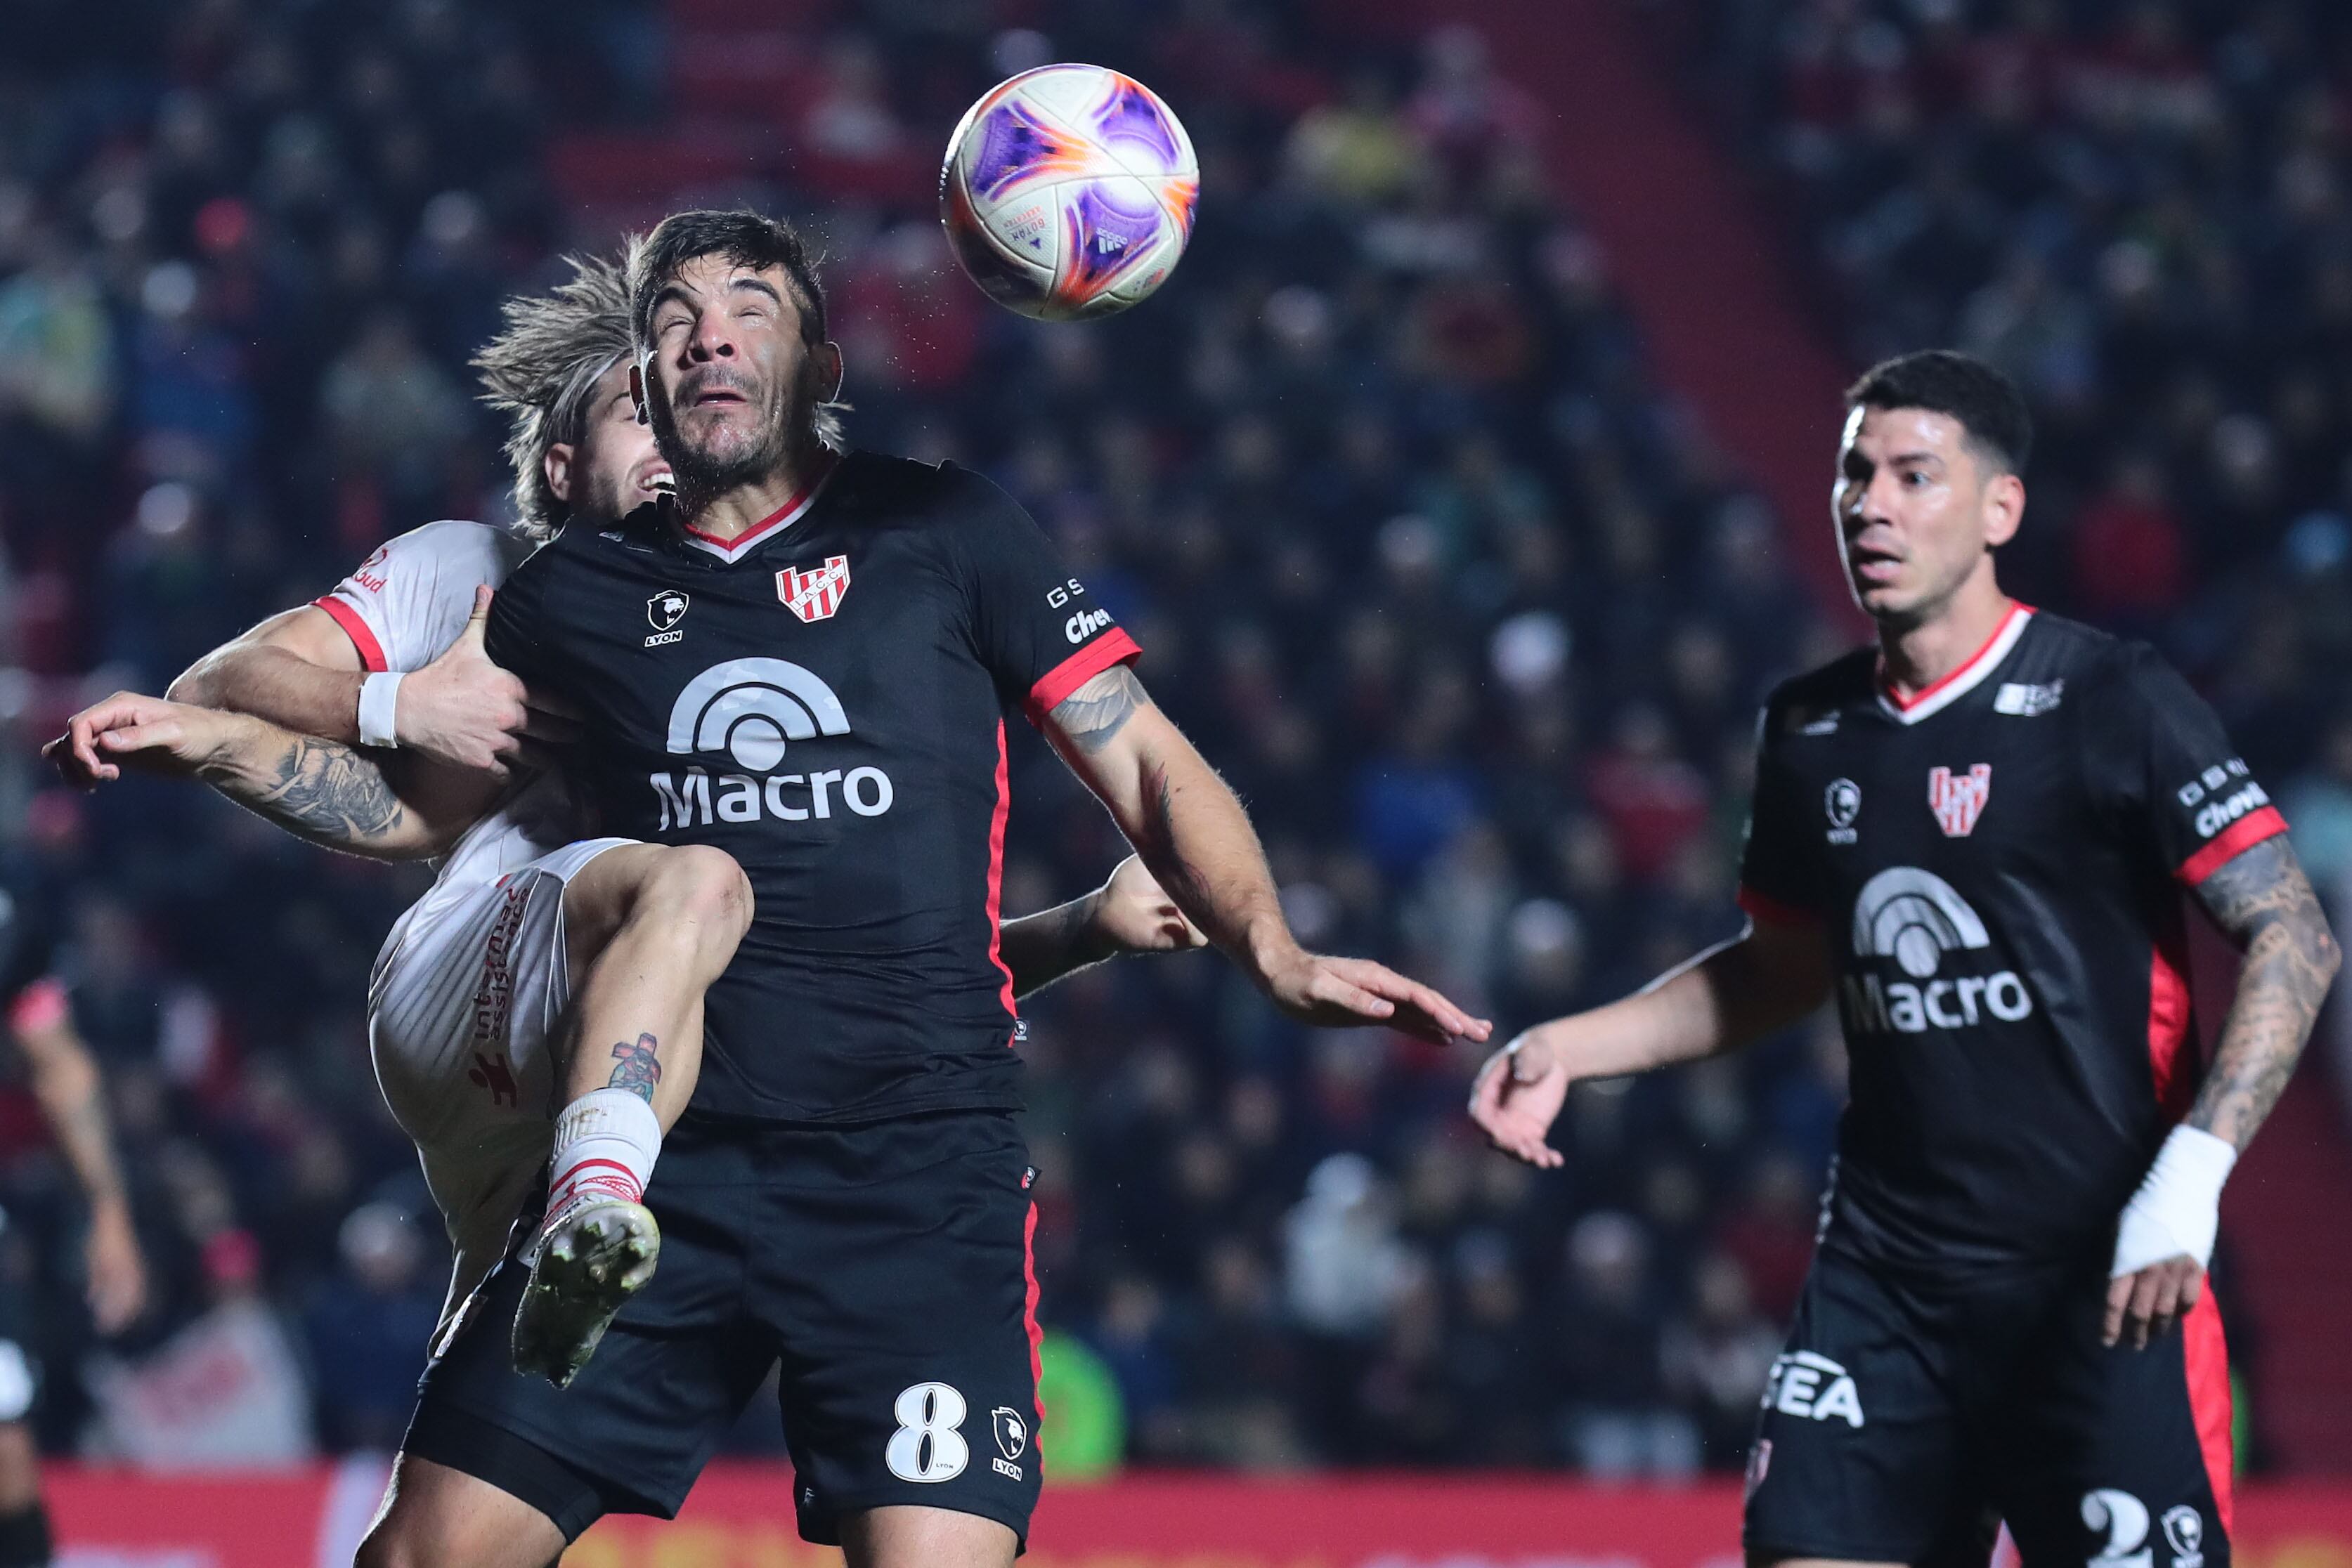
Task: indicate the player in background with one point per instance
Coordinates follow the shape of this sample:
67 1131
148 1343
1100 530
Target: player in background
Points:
72 1099
854 627
1976 837
471 981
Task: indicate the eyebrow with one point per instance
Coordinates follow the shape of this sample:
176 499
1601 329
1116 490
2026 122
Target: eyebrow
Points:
759 285
1912 459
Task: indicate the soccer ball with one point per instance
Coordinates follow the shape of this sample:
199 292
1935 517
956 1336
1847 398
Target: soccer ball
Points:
1068 192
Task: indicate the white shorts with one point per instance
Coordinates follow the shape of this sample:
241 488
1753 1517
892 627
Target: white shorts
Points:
464 1008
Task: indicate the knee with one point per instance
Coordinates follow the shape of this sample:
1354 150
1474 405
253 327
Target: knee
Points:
703 887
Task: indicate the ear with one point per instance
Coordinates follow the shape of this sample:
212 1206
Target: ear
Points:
829 371
2004 509
557 466
637 391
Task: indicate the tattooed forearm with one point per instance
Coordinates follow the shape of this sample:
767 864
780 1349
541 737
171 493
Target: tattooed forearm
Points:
639 1069
1184 881
2263 904
321 789
1092 716
1042 948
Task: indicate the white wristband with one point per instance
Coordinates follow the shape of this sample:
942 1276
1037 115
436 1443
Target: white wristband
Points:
2177 1207
379 694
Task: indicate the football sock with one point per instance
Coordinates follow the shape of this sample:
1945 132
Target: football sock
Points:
605 1142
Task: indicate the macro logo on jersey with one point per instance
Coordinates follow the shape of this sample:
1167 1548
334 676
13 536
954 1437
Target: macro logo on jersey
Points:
1813 1387
1914 918
752 709
814 595
1958 799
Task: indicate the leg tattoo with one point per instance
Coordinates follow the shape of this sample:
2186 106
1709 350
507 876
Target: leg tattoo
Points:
639 1070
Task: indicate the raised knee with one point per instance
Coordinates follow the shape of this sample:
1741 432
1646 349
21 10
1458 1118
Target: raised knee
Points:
705 885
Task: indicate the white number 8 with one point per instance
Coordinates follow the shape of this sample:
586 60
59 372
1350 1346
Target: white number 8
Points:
927 1446
2125 1518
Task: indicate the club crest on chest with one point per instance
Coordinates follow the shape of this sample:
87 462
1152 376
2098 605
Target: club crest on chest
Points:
815 594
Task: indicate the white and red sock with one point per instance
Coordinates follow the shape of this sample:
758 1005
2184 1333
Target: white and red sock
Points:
605 1145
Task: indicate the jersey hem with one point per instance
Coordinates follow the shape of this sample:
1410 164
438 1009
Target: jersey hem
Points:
872 1116
1115 648
355 627
2241 836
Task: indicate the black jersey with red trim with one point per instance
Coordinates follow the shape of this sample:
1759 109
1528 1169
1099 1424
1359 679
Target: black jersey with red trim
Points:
1998 865
824 700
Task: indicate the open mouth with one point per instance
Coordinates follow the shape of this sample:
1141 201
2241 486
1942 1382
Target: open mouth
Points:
1872 565
716 394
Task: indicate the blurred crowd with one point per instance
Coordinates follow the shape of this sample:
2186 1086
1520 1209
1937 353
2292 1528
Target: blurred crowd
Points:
2142 209
1471 613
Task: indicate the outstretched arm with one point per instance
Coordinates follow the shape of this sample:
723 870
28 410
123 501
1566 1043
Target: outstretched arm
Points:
2263 904
1128 913
1193 834
1726 997
323 791
73 1102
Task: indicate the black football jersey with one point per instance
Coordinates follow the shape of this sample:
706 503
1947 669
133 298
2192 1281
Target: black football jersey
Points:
1998 864
824 700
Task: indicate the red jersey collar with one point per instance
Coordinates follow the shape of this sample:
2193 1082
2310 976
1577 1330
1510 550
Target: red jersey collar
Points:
759 533
1940 695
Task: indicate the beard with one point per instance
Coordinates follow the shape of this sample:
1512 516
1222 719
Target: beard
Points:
701 475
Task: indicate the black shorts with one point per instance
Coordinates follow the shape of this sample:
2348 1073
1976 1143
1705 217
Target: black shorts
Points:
886 1267
1906 1421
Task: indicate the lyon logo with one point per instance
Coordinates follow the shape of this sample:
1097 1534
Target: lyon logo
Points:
814 595
750 708
1011 1432
1958 799
665 608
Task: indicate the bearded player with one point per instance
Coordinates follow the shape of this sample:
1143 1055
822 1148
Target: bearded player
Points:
852 628
474 1019
1977 836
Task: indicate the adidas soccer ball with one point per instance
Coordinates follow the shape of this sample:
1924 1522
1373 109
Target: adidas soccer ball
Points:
1068 192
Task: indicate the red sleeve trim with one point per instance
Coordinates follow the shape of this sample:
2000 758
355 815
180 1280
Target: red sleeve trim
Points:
1114 647
356 628
2241 835
1770 911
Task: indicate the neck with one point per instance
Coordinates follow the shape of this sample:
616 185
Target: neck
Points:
1919 654
727 514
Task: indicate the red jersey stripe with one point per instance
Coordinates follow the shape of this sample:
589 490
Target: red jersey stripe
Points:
356 628
1114 648
2205 1357
996 880
1770 911
2240 836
